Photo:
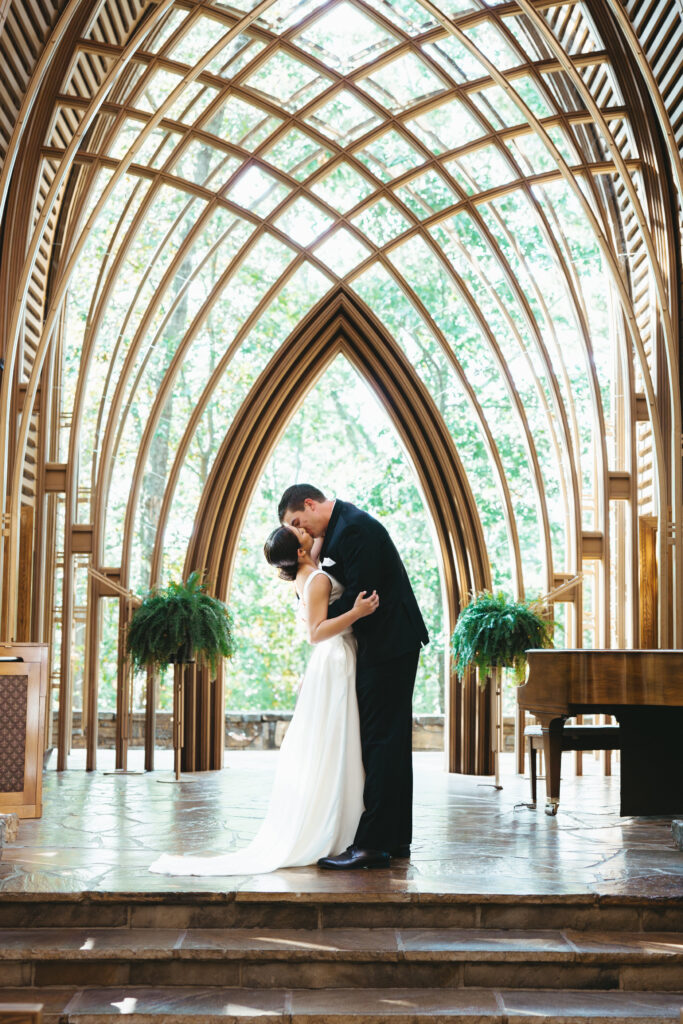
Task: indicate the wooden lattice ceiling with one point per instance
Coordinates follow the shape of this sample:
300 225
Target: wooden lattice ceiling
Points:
347 148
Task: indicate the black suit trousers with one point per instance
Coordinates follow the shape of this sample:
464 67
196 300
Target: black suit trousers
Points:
385 705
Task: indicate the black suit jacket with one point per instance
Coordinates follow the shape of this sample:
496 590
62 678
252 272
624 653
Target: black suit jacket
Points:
365 559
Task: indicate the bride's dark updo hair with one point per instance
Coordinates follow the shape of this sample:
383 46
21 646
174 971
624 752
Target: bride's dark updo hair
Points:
282 550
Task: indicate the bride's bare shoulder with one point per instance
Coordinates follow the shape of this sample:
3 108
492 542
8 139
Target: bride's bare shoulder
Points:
321 580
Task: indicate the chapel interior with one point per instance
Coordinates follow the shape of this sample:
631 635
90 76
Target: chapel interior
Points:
426 253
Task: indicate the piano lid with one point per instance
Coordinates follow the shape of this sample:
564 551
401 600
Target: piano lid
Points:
559 679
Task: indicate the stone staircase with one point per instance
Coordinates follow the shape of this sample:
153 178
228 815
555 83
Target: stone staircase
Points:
353 958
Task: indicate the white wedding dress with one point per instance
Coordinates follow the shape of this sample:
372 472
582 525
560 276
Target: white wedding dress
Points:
317 796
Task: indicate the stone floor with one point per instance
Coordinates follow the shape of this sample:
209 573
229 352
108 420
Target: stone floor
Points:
100 831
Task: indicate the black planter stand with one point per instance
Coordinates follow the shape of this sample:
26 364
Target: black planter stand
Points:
182 658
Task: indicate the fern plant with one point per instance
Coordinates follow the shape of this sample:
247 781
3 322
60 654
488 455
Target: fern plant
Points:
493 630
176 622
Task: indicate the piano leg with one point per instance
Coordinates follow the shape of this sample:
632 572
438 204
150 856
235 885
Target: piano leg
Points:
552 748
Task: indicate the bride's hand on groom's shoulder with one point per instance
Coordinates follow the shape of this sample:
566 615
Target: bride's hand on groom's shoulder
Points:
363 605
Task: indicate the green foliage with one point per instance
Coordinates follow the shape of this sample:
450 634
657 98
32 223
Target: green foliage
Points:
342 440
177 618
493 630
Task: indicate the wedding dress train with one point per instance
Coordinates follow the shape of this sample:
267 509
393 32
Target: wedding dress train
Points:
317 796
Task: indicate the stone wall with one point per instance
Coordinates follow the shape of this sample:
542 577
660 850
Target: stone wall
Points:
255 730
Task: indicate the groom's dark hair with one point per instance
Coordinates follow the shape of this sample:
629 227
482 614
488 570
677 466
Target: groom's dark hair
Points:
295 496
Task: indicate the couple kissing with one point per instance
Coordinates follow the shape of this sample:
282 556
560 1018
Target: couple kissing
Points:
343 789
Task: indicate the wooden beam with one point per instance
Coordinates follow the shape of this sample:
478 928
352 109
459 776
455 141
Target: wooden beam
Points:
647 569
54 477
81 539
21 397
642 411
112 573
592 544
560 579
619 485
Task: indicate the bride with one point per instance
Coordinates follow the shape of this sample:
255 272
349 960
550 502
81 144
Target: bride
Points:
317 796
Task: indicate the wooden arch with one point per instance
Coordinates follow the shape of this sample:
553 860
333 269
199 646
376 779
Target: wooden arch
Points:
341 323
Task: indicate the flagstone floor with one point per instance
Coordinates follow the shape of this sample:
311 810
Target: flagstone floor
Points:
100 831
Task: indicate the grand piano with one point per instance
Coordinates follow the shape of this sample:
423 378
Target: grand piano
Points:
644 692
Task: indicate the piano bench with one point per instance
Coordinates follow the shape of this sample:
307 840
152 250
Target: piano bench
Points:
574 737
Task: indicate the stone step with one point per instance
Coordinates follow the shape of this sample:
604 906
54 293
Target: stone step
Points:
360 909
213 1005
342 958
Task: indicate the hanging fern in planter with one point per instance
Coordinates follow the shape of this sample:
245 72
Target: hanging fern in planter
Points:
494 631
177 623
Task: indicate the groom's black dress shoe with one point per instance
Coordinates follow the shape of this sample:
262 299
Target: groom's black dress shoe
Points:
400 852
353 857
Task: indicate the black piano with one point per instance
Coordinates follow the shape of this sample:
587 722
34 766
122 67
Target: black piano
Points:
643 690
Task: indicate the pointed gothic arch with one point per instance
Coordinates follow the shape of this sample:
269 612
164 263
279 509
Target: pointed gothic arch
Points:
341 323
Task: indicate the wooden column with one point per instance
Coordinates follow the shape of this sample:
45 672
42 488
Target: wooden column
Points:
647 563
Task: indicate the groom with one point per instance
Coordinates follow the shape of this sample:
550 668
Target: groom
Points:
358 551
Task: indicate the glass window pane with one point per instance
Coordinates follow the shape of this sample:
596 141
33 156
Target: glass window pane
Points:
420 265
408 15
531 94
155 149
297 154
427 194
343 187
526 34
446 127
563 144
381 222
235 56
283 14
199 161
341 252
486 167
288 81
489 40
531 154
452 8
343 118
497 107
192 103
303 221
240 5
389 156
257 191
456 60
242 123
402 83
169 24
157 88
345 38
198 40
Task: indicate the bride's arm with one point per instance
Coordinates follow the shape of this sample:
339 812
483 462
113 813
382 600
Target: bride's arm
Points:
317 598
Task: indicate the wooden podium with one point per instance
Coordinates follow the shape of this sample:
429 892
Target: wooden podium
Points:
23 697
